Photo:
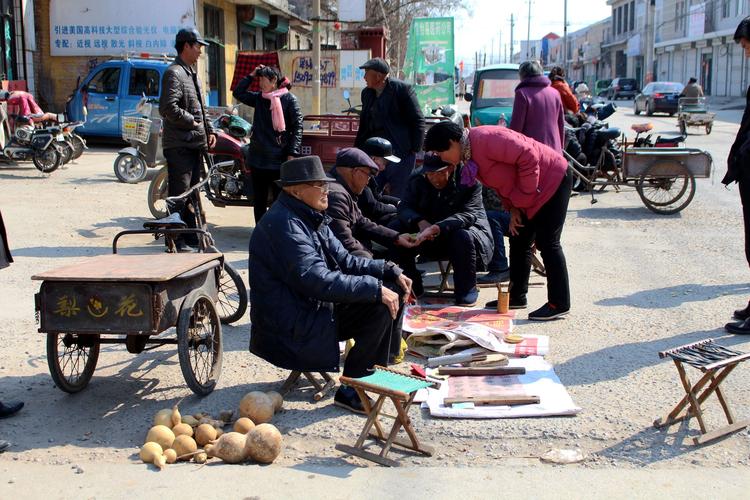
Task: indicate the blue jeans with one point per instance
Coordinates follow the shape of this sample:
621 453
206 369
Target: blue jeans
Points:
396 175
499 224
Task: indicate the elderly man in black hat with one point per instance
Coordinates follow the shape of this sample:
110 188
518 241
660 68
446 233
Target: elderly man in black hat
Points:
452 223
187 132
309 293
374 203
390 110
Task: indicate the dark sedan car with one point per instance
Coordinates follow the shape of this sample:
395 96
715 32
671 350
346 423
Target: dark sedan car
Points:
621 88
658 97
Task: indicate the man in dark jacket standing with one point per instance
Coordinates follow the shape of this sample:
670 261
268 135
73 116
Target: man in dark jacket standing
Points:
309 293
738 170
187 132
390 110
452 223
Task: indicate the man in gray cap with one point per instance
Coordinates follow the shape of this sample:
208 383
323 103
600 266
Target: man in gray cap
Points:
309 293
187 132
390 110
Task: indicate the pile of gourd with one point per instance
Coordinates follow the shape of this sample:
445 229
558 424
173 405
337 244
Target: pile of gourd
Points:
175 437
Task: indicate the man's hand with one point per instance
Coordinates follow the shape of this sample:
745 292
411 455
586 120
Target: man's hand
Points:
405 240
390 299
211 141
515 221
423 224
429 233
405 283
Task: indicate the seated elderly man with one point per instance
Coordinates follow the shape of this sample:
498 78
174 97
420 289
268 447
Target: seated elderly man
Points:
355 231
309 293
452 223
375 204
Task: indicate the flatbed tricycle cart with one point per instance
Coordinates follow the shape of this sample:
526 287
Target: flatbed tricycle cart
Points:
693 112
132 300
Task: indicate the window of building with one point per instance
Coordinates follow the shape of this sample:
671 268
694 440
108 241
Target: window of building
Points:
619 20
726 8
625 12
144 81
107 81
632 15
8 63
213 21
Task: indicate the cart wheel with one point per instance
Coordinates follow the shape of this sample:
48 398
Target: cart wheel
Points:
199 343
662 191
232 295
709 127
683 127
72 359
157 192
129 169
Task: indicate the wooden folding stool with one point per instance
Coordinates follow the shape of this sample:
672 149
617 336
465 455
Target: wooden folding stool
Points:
401 390
444 288
322 387
716 362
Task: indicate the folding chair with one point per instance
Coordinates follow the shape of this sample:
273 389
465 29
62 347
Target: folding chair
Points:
322 387
401 389
716 362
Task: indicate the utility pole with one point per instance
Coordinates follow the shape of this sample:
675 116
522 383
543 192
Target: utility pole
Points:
316 58
565 37
528 33
492 50
512 24
500 47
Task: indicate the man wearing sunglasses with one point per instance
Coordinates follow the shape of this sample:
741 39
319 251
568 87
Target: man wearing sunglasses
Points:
309 293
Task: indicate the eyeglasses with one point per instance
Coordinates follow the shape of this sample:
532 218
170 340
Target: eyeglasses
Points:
323 186
366 171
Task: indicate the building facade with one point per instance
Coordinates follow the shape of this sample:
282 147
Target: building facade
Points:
695 39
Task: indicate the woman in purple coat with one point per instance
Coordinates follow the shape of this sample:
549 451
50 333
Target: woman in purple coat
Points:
537 108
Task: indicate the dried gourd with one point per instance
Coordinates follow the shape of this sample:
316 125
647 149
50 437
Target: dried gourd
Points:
200 458
263 443
184 445
278 400
226 416
161 434
181 429
171 455
257 406
230 447
176 417
243 425
163 417
151 453
190 420
204 434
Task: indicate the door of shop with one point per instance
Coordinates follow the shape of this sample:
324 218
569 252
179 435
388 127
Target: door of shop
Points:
214 21
8 61
707 70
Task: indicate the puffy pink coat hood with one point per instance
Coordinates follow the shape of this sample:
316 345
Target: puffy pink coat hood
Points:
525 173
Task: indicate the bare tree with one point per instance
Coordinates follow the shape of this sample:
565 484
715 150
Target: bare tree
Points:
397 15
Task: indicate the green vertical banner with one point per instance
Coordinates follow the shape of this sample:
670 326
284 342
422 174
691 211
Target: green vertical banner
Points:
429 62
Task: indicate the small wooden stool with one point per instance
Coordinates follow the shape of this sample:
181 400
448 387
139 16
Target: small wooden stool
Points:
323 387
400 389
716 362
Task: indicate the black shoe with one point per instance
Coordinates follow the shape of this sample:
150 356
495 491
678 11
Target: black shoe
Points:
6 410
347 397
547 312
741 328
742 314
494 277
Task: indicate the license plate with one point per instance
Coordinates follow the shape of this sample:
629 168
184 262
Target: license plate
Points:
60 138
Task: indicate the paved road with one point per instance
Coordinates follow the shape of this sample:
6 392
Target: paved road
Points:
640 283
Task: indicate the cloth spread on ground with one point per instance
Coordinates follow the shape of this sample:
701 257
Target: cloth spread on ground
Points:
247 62
539 380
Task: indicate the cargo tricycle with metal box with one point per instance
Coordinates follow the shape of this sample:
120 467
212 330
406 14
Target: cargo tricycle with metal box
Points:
132 300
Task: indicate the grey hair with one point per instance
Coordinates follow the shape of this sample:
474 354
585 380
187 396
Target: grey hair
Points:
530 68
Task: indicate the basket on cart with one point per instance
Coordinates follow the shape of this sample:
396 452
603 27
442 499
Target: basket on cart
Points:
136 128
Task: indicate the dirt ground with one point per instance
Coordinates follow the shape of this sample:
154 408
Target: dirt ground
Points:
640 283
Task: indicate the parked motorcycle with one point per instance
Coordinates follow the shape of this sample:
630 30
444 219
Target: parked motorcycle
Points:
228 183
36 144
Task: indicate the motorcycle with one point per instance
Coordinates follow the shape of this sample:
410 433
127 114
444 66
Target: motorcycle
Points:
228 184
144 134
40 145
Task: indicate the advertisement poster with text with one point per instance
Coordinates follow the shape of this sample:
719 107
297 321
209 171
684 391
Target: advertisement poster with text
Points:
429 63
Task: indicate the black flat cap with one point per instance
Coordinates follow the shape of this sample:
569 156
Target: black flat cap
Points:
382 148
190 35
433 163
353 158
377 64
301 170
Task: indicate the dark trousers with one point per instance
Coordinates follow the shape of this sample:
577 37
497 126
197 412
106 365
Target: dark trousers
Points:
458 246
183 171
263 180
499 224
545 228
371 327
396 175
744 187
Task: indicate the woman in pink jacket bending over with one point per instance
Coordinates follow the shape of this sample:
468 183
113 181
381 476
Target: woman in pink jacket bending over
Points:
534 184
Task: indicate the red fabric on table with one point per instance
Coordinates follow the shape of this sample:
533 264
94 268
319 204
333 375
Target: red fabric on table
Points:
248 61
